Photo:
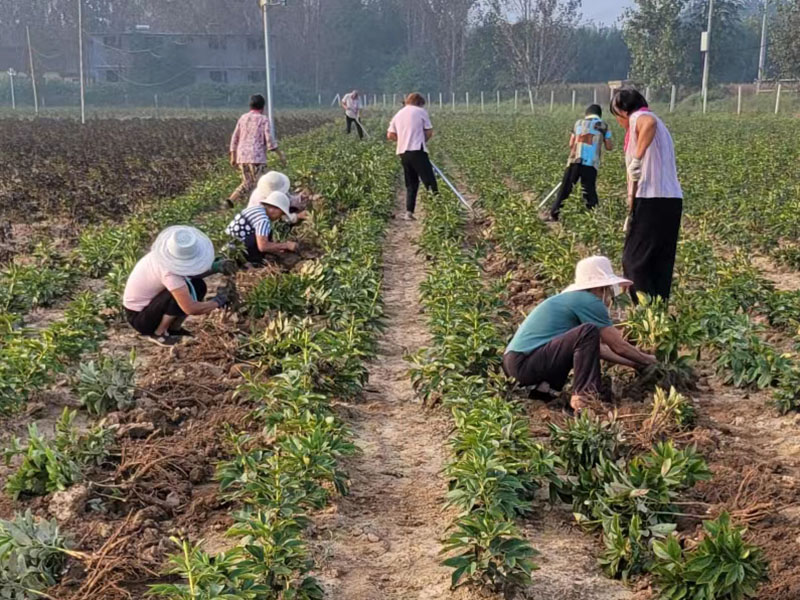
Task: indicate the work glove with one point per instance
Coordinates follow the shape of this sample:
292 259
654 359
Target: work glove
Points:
635 169
221 299
224 266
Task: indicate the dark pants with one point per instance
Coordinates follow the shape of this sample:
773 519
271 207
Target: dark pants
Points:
574 173
648 257
416 166
350 121
579 348
147 321
254 255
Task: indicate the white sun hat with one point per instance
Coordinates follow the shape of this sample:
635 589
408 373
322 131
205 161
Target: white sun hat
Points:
596 272
183 250
278 200
273 181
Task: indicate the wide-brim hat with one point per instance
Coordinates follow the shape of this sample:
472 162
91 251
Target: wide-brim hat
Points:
274 181
278 200
183 250
596 272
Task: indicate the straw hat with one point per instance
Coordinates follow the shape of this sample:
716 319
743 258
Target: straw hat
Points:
596 272
183 250
279 200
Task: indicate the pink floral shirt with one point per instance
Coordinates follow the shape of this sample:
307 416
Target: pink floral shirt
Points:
252 138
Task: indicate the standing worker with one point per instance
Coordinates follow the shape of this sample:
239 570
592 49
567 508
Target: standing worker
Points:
411 128
250 142
573 330
588 137
655 198
351 103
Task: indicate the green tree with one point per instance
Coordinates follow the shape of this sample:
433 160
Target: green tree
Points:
653 31
785 41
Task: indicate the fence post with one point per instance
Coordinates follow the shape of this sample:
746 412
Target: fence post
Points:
384 101
552 99
319 99
481 100
498 100
672 97
574 95
440 100
778 100
454 101
467 96
594 96
516 100
394 100
429 98
530 97
739 101
155 100
647 93
13 97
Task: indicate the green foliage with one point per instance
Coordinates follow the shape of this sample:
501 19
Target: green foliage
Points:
32 556
723 566
54 465
107 384
586 440
672 407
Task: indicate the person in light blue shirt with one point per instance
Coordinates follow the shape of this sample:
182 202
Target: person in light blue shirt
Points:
589 136
573 331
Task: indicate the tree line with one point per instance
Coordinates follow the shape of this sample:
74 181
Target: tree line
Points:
442 45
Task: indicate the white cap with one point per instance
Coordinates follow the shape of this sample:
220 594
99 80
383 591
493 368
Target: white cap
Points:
183 250
596 272
278 200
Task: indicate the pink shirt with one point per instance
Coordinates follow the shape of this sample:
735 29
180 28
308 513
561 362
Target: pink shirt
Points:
146 281
252 138
410 124
659 173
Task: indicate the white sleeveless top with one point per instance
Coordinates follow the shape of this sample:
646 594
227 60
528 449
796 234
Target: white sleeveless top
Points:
659 174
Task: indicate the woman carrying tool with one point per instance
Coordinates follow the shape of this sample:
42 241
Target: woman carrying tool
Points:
411 128
655 198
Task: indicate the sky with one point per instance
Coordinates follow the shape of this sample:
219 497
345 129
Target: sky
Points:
604 11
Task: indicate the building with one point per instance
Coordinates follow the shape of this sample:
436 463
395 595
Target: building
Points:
194 58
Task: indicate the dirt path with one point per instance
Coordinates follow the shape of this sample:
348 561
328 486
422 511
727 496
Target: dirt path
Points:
382 541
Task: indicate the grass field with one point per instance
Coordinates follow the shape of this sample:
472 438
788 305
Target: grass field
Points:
344 430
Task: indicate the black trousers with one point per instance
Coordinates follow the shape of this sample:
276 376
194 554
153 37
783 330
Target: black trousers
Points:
350 122
577 172
417 165
147 321
648 257
578 349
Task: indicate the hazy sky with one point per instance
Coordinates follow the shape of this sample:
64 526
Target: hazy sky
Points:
604 11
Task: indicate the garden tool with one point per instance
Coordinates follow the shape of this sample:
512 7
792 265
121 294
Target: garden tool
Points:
451 186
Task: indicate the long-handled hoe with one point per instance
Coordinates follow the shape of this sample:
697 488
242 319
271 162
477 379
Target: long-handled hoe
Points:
452 187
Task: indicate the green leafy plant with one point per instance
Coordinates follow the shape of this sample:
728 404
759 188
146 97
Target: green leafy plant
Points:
723 566
107 384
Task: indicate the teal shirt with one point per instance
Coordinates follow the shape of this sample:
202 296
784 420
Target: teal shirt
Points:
556 316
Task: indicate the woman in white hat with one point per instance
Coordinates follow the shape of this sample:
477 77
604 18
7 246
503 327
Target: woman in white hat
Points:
253 227
275 181
573 330
167 284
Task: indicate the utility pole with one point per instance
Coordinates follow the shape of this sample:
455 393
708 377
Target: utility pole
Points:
33 74
762 54
267 67
80 61
11 74
705 46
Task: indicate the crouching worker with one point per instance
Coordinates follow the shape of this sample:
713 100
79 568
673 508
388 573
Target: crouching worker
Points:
573 331
253 227
167 285
278 182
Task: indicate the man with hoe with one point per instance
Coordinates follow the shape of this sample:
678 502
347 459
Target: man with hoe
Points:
588 137
351 103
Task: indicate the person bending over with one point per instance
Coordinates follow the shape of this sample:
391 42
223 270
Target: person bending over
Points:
573 331
250 142
278 182
411 128
167 285
586 143
351 103
253 227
